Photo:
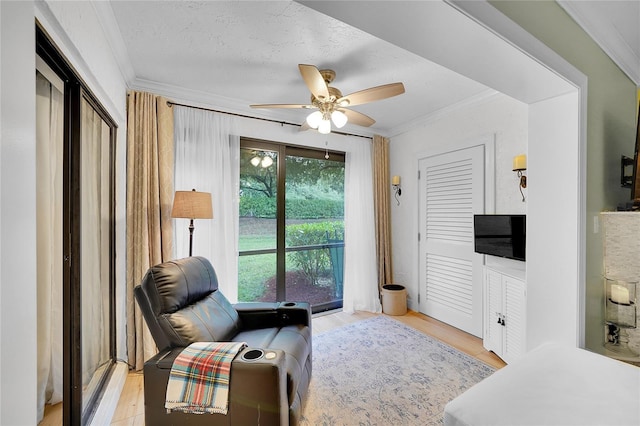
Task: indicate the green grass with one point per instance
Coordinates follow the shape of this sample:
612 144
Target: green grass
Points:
254 271
256 242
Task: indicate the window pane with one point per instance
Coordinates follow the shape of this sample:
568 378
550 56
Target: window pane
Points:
298 256
315 221
257 225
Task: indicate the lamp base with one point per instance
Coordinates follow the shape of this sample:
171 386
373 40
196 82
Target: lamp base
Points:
191 228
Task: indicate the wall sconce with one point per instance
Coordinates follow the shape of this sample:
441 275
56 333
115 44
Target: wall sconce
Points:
520 165
397 190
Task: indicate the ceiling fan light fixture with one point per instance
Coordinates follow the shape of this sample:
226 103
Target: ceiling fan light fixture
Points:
314 119
255 161
339 118
327 100
324 127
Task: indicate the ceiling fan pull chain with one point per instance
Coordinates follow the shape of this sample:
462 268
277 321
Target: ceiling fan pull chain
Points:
326 154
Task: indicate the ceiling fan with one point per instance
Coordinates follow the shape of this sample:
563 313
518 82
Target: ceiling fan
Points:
331 105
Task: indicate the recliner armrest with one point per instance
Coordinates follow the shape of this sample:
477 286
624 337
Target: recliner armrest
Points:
257 315
277 314
257 391
292 313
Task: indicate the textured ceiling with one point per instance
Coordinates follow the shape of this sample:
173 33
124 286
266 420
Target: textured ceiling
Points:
230 54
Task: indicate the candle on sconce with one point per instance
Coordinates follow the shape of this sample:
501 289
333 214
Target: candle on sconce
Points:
395 180
520 162
619 294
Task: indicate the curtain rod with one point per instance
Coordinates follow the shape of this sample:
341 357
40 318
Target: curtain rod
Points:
170 103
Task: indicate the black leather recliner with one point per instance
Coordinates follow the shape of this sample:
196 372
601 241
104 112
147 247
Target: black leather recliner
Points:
181 304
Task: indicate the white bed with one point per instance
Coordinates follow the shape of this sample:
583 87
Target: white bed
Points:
552 385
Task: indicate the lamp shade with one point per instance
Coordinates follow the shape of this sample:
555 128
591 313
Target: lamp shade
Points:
192 205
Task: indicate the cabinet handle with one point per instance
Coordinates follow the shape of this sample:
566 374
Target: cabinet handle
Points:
501 318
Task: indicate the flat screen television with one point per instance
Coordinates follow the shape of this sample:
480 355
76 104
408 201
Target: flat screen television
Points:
503 235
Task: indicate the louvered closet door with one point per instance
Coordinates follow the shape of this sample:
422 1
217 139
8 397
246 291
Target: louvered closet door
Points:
451 192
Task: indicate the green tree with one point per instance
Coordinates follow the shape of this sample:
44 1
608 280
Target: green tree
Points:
327 174
311 262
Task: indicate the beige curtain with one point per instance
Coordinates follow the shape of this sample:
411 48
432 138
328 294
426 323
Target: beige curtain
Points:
149 199
381 191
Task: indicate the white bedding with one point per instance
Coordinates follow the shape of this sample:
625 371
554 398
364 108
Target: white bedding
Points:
552 385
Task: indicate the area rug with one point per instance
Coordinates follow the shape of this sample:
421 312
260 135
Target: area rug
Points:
381 372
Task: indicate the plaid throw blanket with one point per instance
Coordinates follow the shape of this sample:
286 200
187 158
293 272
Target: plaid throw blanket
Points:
199 378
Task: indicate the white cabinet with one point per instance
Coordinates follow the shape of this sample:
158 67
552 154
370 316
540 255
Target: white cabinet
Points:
504 313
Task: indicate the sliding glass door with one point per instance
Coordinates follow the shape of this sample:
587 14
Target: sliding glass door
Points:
291 224
76 192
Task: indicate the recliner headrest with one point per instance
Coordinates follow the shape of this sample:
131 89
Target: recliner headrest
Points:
175 284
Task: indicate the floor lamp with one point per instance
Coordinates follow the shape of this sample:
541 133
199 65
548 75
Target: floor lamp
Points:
192 205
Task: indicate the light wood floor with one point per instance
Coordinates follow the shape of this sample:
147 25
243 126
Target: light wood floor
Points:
130 410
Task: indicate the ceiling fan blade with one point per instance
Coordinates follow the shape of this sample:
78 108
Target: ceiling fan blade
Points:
282 106
372 94
358 118
314 81
304 127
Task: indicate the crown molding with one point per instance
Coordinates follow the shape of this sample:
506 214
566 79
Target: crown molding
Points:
112 33
605 34
194 97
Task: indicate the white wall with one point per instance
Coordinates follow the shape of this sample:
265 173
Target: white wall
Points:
17 216
497 116
75 30
552 227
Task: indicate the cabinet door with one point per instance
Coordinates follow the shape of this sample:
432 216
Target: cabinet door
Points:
493 330
515 315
